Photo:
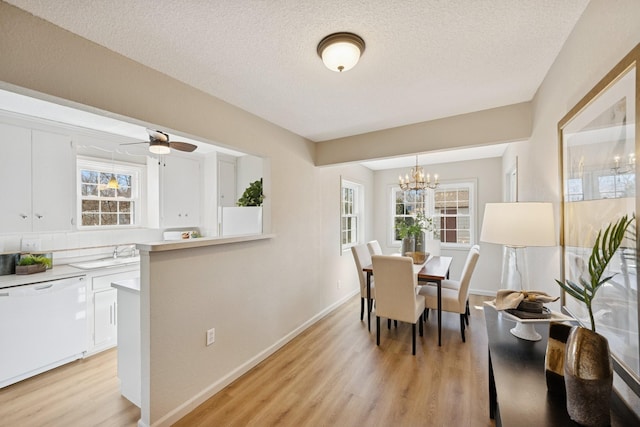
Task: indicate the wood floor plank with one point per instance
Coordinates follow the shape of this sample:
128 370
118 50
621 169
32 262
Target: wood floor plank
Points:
332 374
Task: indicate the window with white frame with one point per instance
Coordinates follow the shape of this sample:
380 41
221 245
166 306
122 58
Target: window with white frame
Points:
100 202
350 214
452 207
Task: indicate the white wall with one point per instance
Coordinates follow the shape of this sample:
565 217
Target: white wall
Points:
255 294
487 174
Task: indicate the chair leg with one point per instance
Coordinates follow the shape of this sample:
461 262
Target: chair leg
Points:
371 302
467 313
421 329
395 323
388 323
414 339
361 309
462 326
426 314
377 330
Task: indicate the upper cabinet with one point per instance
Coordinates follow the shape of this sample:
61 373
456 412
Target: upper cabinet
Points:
37 171
180 192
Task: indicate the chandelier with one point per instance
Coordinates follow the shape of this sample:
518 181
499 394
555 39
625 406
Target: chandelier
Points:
417 180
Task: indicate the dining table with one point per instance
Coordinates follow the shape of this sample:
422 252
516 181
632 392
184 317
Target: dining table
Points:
434 270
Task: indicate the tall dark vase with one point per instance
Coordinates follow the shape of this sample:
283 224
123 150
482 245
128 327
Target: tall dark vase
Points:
408 245
588 376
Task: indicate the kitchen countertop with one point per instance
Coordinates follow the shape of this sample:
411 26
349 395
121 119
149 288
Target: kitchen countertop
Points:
62 271
172 245
129 285
55 273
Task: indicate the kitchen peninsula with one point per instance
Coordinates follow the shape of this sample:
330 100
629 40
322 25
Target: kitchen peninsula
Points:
164 316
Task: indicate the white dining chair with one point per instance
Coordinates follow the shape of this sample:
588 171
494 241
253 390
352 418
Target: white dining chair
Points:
396 296
374 247
455 295
362 259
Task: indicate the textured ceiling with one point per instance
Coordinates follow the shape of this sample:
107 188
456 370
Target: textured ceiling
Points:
425 59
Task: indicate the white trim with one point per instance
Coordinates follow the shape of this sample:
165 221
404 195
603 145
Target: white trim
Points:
138 173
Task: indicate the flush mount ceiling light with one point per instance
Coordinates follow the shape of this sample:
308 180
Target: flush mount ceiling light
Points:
159 147
341 51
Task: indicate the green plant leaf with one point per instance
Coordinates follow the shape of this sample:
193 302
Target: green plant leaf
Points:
607 243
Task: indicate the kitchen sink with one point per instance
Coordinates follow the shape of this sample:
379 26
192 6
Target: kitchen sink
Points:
105 263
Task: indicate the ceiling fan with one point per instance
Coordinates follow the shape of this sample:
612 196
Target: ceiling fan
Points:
159 143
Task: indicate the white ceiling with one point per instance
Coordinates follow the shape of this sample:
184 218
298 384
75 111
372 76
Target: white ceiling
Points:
424 59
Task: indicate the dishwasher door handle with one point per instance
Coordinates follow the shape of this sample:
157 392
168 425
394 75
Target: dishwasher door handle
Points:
43 287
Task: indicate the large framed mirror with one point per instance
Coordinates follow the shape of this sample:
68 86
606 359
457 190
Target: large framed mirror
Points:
598 144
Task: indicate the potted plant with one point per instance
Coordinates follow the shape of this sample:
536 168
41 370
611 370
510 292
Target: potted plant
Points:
252 195
411 232
29 264
588 374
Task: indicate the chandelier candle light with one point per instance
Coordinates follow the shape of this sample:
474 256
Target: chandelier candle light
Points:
417 180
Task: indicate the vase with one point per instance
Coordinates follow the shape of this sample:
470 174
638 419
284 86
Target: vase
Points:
420 242
588 377
408 245
554 357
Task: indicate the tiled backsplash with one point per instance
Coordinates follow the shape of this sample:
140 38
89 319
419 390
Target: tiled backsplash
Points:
73 246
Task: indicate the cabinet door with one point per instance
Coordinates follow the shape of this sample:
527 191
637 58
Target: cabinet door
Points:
15 176
181 192
52 182
105 318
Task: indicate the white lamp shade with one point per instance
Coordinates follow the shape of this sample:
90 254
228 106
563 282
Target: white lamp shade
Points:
519 224
341 56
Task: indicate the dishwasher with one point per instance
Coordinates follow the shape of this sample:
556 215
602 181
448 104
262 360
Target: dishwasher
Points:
42 325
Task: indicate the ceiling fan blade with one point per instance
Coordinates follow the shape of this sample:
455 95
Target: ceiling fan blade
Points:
182 146
134 143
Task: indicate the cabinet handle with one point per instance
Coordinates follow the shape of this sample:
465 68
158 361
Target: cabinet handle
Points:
111 314
4 294
38 216
23 216
115 313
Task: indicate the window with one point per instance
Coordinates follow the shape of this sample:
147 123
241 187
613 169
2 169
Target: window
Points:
102 206
350 214
451 206
453 213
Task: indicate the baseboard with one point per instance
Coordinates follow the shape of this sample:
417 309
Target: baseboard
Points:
188 406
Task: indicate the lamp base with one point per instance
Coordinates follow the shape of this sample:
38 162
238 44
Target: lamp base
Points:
526 331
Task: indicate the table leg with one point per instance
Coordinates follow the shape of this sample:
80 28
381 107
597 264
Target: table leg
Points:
369 300
439 283
492 391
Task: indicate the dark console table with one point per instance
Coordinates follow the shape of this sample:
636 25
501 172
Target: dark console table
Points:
517 386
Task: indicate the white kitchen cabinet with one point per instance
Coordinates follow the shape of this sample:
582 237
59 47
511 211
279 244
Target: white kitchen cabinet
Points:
103 316
37 169
180 190
105 332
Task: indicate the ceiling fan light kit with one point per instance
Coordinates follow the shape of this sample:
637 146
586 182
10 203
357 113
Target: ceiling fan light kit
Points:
159 147
341 51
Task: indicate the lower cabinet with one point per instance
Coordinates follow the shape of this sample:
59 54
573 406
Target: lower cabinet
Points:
103 307
105 331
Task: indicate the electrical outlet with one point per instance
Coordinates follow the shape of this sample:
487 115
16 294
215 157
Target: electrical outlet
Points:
30 245
211 336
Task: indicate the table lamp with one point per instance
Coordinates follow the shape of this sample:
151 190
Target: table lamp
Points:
516 226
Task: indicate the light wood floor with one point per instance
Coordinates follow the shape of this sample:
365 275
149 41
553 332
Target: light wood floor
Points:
331 375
